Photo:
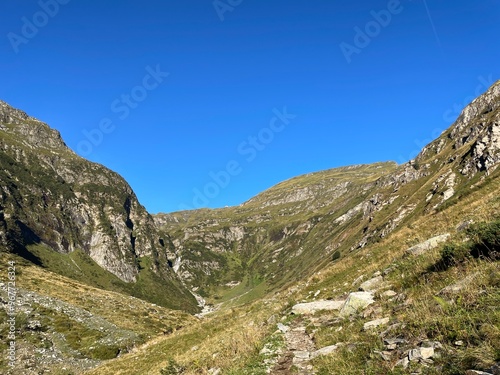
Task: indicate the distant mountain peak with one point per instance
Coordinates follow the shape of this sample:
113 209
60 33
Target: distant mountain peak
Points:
474 137
483 104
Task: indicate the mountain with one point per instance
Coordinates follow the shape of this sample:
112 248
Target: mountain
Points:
59 210
379 268
277 237
293 229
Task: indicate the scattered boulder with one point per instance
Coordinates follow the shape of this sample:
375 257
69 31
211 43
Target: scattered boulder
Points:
393 344
375 323
313 307
389 294
431 344
355 302
476 372
404 362
358 280
283 328
425 246
420 354
372 284
386 356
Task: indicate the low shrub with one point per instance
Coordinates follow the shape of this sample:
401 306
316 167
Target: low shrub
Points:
483 243
485 239
173 368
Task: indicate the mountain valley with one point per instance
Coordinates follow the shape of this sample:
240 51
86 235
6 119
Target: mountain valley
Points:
365 269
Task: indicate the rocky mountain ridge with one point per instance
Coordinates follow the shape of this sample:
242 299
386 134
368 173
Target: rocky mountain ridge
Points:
276 237
287 231
52 197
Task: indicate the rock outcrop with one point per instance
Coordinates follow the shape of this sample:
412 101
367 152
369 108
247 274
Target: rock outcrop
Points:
427 245
51 197
356 302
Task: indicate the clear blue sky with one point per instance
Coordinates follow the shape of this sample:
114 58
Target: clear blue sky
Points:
100 67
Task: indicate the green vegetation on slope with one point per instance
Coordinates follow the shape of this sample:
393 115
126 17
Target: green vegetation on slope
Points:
420 312
149 286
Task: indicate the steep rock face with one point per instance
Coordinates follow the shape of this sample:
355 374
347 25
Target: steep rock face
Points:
51 196
475 136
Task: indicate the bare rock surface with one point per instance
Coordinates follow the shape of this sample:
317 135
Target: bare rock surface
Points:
430 244
313 307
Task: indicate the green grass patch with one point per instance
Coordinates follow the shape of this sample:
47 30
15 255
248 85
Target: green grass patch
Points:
149 286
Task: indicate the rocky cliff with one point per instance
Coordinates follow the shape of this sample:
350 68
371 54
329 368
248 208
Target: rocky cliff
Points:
53 198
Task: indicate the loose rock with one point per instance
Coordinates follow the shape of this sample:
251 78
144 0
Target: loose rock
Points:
389 294
355 302
372 284
375 323
313 307
425 246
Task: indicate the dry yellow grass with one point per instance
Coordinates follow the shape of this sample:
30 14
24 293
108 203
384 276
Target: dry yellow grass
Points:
124 311
221 341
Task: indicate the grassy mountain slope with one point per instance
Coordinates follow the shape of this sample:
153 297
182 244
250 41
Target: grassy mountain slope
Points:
441 299
233 339
66 327
298 226
274 238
